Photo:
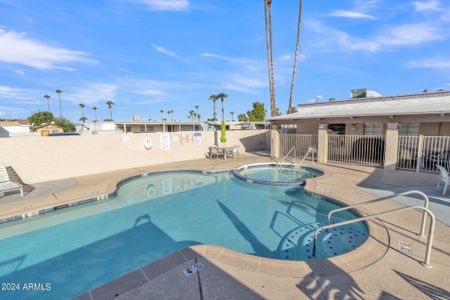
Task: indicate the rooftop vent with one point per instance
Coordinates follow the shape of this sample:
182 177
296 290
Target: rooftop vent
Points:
364 93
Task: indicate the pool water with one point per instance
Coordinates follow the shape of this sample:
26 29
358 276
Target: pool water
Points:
77 249
282 173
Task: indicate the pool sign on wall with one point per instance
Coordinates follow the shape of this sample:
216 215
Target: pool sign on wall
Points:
165 141
198 138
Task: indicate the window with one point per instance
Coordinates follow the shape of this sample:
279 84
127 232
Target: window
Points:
408 129
337 128
373 129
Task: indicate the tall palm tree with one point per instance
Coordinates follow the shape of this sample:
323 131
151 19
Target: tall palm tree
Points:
94 108
81 105
83 119
171 113
268 23
162 111
232 116
294 70
222 97
110 105
191 115
214 98
58 91
47 97
196 109
199 117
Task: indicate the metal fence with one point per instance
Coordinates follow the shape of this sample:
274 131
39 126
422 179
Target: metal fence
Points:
429 151
434 150
365 150
301 143
407 152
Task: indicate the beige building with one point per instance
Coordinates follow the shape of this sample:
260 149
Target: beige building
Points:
416 114
158 126
47 129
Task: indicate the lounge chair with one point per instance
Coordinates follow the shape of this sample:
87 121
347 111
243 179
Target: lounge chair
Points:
443 176
235 151
6 185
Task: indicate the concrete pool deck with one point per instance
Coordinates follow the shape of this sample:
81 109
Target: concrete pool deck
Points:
386 272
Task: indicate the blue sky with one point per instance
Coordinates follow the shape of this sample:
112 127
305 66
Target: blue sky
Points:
148 55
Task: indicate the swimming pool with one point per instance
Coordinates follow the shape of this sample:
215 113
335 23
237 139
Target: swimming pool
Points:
77 249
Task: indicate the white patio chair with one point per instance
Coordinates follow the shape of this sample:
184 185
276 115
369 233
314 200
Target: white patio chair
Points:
235 151
443 176
6 185
214 152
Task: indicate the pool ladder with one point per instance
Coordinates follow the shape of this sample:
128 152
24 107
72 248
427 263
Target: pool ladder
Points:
423 208
286 156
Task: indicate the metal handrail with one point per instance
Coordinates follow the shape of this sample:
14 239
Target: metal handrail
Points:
424 216
310 150
289 152
427 259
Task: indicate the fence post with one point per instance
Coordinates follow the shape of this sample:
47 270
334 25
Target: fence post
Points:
391 146
322 144
274 143
419 152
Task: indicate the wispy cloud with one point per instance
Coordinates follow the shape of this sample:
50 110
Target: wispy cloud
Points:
19 95
431 63
240 83
431 5
92 93
403 35
17 48
166 51
248 64
166 5
351 14
11 111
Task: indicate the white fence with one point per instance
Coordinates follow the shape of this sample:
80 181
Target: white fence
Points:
423 153
356 149
301 143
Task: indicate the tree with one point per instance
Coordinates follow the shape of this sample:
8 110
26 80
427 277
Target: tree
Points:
268 28
232 116
242 118
196 109
214 98
258 112
199 116
40 117
222 97
110 105
294 69
58 91
83 119
47 97
162 112
94 108
81 105
65 124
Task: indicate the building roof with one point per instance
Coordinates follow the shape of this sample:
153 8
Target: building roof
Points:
413 104
14 122
43 125
159 122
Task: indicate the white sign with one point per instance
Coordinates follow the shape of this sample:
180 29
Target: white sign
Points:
198 138
165 141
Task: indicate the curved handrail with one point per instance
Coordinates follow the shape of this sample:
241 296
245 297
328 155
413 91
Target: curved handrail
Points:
427 259
424 216
289 152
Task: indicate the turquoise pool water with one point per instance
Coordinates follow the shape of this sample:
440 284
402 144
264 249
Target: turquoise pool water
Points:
281 173
80 248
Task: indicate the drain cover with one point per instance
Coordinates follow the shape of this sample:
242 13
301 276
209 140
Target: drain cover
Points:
193 269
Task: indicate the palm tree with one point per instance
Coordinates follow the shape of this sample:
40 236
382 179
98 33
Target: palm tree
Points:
268 23
110 104
171 113
162 111
214 98
191 115
199 117
81 105
232 116
196 109
294 70
47 97
83 119
58 91
222 97
94 108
